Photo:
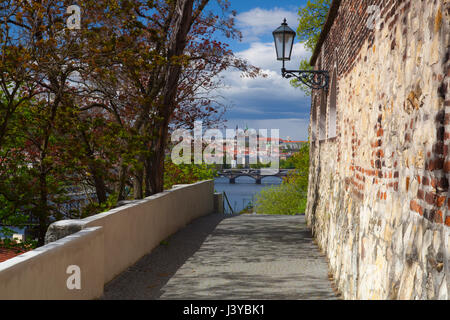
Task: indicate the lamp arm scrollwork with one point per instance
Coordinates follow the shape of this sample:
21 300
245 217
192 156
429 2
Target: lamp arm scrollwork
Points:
314 79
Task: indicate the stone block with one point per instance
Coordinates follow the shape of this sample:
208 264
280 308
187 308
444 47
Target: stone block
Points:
62 229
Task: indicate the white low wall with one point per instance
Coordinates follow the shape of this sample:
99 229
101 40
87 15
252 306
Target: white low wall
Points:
42 273
109 243
134 230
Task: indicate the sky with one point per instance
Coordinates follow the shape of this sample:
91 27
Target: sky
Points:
266 103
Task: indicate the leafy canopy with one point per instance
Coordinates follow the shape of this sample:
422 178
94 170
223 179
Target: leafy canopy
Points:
312 18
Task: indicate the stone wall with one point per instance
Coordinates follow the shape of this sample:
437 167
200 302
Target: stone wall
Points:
378 195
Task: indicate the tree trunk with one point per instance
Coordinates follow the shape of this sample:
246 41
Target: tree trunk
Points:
42 210
100 186
122 180
183 21
147 178
99 182
154 182
138 182
156 172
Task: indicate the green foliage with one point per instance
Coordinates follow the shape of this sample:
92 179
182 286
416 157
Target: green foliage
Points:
312 17
291 162
311 20
94 207
30 170
304 65
290 197
186 173
286 199
259 165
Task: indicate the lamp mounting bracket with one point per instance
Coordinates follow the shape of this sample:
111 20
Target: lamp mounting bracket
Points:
314 79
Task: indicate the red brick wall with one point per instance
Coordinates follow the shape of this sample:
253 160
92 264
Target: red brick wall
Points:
341 50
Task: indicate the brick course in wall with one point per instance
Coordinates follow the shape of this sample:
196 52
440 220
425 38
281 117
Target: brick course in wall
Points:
378 195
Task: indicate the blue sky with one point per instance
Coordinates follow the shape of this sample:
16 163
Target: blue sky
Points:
266 103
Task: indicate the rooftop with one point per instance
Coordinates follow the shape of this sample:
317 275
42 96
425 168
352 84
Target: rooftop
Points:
6 254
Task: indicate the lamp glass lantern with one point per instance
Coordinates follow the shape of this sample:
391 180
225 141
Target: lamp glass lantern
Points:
284 42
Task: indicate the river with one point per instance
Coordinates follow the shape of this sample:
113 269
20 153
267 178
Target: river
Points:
243 192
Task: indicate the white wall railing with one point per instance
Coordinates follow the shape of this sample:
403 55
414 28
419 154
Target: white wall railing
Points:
107 245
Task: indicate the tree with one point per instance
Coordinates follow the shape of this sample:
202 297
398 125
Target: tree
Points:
312 18
15 68
290 197
160 63
93 109
49 60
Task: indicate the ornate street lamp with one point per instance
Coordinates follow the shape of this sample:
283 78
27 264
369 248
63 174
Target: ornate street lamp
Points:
284 42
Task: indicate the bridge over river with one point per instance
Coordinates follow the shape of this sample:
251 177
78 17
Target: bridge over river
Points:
257 174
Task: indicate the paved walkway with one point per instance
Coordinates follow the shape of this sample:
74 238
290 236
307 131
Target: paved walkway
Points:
239 257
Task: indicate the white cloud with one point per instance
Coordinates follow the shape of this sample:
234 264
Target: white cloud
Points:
274 85
258 22
263 55
267 103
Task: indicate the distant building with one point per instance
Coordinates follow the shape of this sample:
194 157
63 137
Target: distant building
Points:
292 145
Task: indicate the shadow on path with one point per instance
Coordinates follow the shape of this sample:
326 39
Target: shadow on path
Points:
145 279
242 257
